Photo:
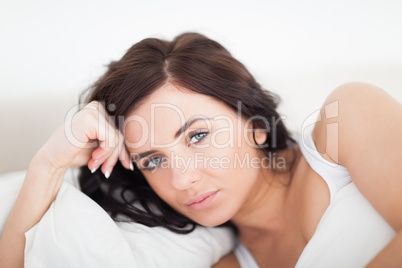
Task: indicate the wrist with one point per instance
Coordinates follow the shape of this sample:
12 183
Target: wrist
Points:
42 162
42 183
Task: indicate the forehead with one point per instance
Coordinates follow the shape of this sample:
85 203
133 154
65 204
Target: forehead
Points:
162 113
169 97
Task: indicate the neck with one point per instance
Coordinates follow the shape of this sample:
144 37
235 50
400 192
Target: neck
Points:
265 208
268 208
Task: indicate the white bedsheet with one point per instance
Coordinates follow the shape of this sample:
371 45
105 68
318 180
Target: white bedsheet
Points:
76 232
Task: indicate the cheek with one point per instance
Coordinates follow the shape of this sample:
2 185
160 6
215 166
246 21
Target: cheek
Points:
222 139
233 169
161 184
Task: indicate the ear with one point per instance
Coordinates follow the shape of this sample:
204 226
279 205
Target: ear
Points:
260 136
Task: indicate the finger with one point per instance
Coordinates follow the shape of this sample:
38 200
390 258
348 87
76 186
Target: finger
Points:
93 165
125 159
101 153
124 156
119 153
103 112
110 162
99 157
104 150
96 105
98 125
108 140
100 107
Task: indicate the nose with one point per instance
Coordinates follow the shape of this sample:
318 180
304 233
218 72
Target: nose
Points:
185 178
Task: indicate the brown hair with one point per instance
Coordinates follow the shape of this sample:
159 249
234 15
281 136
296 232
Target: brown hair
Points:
192 61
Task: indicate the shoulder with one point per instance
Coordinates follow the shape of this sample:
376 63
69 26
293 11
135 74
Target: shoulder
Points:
353 115
361 129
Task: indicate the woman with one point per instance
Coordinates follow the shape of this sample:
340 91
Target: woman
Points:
209 148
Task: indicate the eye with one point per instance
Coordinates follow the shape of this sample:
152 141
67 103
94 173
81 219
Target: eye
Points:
152 163
197 137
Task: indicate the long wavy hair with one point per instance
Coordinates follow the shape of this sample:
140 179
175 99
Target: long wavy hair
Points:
192 61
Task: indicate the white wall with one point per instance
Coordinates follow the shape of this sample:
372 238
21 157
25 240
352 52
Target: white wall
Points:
51 50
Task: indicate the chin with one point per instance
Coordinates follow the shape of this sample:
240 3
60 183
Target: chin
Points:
210 221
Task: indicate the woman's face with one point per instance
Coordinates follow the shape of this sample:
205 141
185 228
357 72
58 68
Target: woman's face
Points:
196 153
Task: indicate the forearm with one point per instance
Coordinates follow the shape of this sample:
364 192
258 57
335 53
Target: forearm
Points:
45 174
38 191
390 256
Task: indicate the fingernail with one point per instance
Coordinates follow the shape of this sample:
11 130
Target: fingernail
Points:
93 170
107 174
131 166
96 161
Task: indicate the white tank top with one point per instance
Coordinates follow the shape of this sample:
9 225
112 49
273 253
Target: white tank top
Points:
349 234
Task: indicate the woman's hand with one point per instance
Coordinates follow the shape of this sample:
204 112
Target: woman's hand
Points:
89 138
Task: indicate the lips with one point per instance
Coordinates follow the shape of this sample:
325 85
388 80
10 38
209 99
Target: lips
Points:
202 201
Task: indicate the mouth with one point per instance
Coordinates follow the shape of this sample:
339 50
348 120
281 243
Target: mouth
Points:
202 201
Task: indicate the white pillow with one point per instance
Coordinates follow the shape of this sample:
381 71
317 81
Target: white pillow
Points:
77 232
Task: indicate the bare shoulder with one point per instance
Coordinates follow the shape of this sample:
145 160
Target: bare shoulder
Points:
350 115
361 129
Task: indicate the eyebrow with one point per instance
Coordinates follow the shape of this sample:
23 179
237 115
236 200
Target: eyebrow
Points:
176 135
144 154
188 124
